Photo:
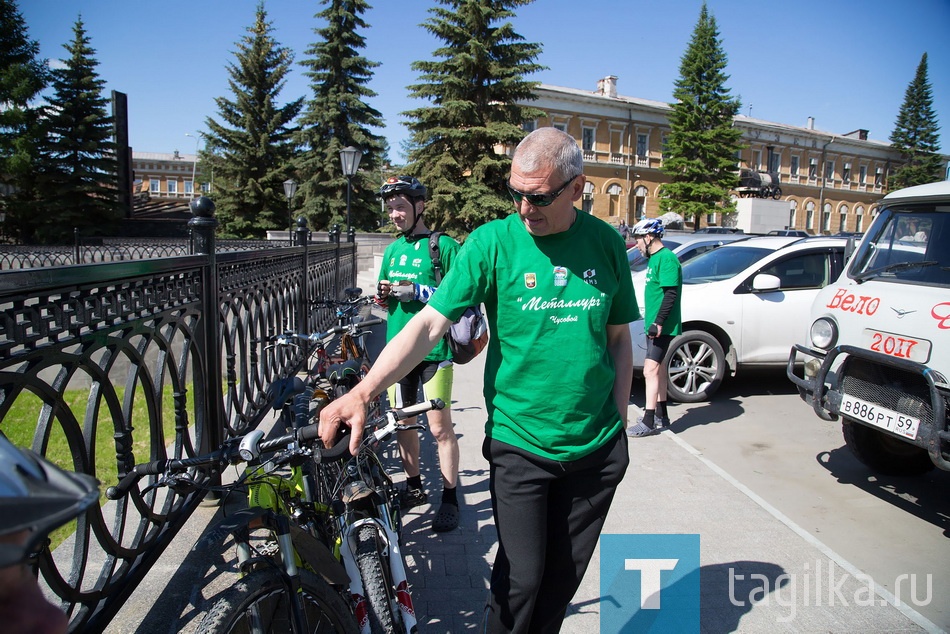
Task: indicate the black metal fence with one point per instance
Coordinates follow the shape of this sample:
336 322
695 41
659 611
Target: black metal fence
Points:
135 360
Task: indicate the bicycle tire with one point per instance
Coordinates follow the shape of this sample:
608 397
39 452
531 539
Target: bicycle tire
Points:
379 599
263 594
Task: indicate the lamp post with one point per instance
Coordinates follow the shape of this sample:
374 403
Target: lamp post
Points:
290 188
350 161
194 167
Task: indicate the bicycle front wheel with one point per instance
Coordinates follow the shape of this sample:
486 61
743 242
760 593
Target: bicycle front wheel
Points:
259 604
379 600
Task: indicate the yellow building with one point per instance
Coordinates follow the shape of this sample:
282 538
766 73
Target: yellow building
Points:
832 182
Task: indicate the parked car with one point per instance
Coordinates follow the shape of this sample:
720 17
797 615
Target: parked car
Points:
795 233
719 230
743 305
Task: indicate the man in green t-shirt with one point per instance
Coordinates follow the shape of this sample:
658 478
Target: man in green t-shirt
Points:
662 321
558 296
407 279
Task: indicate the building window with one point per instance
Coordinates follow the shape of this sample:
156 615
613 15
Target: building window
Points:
846 172
665 146
710 219
826 218
792 210
829 170
614 192
863 175
843 219
205 188
640 202
641 145
879 177
859 219
154 185
587 139
793 166
812 169
810 216
587 200
172 186
756 159
529 126
559 126
775 160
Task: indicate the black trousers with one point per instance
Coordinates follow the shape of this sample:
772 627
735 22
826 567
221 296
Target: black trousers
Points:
548 515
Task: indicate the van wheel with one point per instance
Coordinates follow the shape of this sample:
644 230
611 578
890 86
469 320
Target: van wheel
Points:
696 364
883 453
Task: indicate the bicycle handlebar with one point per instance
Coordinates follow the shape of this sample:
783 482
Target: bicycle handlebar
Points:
229 454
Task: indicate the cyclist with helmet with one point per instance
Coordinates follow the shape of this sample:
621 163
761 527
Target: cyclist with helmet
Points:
36 497
662 321
407 279
556 286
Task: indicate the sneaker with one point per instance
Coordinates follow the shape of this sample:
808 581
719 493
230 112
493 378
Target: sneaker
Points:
409 498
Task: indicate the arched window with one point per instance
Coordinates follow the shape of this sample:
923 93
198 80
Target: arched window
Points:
587 200
640 202
843 219
826 218
859 219
613 193
810 216
792 210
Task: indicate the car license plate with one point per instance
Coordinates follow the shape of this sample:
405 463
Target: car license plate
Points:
900 346
874 414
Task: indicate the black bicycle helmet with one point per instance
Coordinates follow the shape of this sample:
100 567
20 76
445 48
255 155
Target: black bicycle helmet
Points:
38 496
408 185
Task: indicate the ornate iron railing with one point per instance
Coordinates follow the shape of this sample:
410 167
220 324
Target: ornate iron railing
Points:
104 358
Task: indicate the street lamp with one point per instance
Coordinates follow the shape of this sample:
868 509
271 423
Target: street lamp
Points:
194 167
290 188
350 160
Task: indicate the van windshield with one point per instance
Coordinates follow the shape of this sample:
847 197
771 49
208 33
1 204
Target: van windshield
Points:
909 244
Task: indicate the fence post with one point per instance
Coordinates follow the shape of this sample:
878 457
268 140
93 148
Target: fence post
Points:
202 226
303 308
335 237
76 259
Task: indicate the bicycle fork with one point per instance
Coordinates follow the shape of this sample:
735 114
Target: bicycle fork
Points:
393 557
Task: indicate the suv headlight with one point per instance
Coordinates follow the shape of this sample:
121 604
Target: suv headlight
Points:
824 333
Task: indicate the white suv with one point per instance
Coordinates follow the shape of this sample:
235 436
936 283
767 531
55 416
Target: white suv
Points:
879 344
743 305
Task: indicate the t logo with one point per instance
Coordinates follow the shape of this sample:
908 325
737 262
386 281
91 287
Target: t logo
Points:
650 579
649 583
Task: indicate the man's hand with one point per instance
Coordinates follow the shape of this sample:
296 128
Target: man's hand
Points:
655 330
348 409
405 291
383 289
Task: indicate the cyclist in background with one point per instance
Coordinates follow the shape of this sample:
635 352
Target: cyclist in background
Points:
662 322
407 280
36 497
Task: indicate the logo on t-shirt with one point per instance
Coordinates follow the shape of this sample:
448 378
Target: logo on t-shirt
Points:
560 276
590 276
530 280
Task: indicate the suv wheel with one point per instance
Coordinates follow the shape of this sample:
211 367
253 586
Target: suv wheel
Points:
884 454
696 365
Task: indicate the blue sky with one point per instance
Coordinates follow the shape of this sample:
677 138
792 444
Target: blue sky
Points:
846 63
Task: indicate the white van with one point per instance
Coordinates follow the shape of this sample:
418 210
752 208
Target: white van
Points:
879 352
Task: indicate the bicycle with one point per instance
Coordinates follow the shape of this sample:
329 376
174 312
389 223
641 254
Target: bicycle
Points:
345 538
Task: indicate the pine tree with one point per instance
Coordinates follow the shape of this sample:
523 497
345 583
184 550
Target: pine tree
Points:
475 83
337 117
702 143
915 135
22 77
77 177
251 151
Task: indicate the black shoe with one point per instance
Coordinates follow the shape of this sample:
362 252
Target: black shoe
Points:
446 519
409 498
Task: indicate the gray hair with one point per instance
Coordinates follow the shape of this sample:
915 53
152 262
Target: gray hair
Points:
549 148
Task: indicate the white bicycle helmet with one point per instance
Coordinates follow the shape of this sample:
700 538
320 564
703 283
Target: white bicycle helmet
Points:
648 227
37 496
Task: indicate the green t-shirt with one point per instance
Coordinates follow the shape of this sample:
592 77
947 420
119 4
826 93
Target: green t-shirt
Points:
548 375
663 271
410 260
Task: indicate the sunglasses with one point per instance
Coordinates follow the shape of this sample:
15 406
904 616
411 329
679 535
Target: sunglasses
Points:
538 200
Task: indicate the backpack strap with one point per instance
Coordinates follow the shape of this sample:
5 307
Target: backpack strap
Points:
435 255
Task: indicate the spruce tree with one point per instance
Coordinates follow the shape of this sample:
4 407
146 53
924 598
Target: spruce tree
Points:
337 117
251 150
475 83
915 135
77 179
22 77
702 143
